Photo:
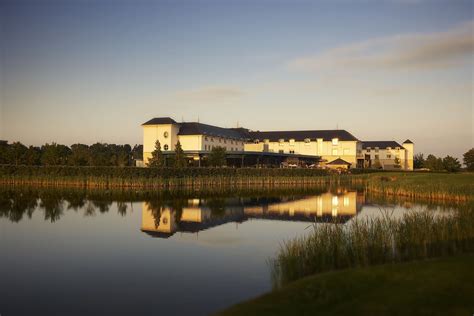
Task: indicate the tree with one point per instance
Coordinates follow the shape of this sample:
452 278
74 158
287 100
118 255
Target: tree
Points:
217 157
99 155
80 155
157 159
418 161
433 163
397 163
180 160
469 159
18 153
55 154
4 148
33 156
137 152
377 164
451 164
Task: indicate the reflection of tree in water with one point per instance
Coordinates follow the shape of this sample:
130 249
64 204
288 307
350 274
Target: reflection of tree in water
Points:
52 203
76 201
217 206
102 205
89 210
122 208
14 205
156 208
177 208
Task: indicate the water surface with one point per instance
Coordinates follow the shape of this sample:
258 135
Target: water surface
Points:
78 252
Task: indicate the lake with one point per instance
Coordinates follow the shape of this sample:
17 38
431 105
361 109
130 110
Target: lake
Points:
134 253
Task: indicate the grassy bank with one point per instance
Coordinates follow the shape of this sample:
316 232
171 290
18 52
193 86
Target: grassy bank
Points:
431 287
430 186
371 241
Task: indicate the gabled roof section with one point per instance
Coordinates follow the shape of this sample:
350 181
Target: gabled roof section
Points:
326 135
194 128
339 161
408 142
380 144
160 121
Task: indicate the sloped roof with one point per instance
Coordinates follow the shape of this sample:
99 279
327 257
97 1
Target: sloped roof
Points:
193 128
160 120
339 161
326 135
408 142
380 144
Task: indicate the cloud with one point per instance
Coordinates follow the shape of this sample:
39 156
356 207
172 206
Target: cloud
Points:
215 93
408 51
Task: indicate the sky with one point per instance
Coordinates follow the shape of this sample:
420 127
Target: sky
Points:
83 71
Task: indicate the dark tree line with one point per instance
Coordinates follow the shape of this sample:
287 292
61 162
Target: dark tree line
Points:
447 163
99 154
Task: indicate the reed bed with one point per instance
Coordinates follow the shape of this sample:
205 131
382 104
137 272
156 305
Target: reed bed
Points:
163 178
417 235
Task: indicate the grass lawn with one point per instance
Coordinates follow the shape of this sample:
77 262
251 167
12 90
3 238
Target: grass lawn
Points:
434 287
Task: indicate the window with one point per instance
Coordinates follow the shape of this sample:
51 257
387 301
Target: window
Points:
334 152
212 139
292 151
307 140
368 150
281 141
292 142
376 157
389 156
281 151
225 141
205 138
376 149
256 141
335 141
166 147
165 134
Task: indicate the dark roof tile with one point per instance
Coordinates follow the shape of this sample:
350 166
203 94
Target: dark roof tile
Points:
193 128
159 121
339 161
380 144
326 135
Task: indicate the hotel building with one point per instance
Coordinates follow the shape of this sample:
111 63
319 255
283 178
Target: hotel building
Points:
330 148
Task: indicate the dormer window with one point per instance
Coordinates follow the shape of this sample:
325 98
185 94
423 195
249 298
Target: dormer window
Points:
335 141
292 142
307 140
256 141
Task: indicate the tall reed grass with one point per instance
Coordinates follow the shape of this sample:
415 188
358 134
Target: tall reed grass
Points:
362 242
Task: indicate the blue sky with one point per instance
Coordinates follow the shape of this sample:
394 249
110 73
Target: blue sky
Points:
88 71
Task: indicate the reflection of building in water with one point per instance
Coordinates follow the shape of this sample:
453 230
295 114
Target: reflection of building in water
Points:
203 214
308 209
